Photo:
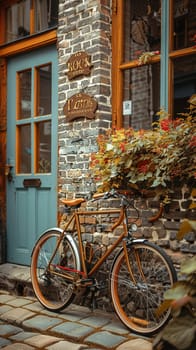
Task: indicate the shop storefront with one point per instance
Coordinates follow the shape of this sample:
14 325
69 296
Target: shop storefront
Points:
69 71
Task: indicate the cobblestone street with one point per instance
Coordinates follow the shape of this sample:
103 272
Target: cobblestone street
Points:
25 325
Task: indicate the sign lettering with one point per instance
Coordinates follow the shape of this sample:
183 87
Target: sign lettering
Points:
78 64
80 105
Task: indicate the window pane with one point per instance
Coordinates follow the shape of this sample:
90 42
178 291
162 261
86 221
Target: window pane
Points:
142 96
142 27
184 23
24 149
24 92
43 147
184 82
18 20
46 14
44 81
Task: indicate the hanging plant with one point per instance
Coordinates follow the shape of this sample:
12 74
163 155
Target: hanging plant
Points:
148 159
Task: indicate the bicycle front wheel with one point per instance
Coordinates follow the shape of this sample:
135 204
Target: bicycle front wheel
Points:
137 297
53 290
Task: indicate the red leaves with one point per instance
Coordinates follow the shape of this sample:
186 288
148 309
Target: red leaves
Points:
122 146
193 141
166 124
143 166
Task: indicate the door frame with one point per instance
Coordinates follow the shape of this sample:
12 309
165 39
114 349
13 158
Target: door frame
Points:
32 197
7 51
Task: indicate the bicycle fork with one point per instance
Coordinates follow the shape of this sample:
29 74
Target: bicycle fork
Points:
125 244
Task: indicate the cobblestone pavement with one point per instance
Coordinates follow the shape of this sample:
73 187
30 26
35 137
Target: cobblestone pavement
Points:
26 325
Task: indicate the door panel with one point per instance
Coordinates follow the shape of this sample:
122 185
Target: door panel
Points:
31 150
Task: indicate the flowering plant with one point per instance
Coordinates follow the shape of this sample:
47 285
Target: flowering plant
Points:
147 159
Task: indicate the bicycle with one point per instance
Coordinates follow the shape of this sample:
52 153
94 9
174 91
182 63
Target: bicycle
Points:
63 263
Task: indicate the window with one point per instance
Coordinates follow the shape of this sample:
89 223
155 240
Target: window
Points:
33 120
26 17
182 54
184 13
162 32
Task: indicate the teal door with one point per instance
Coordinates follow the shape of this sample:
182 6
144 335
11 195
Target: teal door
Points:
31 150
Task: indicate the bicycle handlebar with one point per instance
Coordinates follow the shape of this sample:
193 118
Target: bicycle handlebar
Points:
109 194
158 215
115 194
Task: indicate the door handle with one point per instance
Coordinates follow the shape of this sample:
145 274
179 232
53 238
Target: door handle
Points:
8 172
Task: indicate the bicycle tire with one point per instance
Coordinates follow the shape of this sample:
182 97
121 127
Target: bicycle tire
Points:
136 303
53 291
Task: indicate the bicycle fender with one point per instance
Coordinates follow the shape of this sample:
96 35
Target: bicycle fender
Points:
71 241
137 240
75 249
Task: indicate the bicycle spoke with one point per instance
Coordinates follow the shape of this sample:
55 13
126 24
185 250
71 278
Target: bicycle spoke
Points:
136 301
49 281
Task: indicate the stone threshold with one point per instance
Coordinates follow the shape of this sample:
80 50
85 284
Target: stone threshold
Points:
16 279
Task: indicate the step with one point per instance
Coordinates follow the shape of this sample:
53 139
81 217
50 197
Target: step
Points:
16 279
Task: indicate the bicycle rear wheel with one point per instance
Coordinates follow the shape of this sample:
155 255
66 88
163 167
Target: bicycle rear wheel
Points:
136 302
51 288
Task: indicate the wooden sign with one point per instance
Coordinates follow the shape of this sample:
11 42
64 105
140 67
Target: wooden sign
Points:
80 105
79 64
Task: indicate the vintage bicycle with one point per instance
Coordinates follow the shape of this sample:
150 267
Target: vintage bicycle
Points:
63 263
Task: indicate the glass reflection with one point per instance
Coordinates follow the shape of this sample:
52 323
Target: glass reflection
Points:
184 82
44 147
24 149
142 27
184 15
24 99
18 20
142 89
44 90
46 14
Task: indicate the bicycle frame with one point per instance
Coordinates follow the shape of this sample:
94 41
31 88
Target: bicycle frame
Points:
65 263
74 222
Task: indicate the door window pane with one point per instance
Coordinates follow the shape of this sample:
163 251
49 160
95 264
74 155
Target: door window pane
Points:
24 149
184 82
24 95
142 95
142 27
43 147
18 20
44 81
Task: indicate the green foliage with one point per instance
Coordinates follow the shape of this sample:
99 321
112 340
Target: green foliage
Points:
144 159
180 332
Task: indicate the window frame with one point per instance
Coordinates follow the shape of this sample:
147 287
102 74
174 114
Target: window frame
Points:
34 40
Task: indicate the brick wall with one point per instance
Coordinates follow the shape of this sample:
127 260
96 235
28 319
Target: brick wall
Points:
83 26
86 26
163 231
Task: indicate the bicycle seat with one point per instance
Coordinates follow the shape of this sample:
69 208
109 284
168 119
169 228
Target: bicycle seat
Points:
72 202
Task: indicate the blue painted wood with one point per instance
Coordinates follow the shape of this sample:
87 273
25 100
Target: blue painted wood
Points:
29 210
164 54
